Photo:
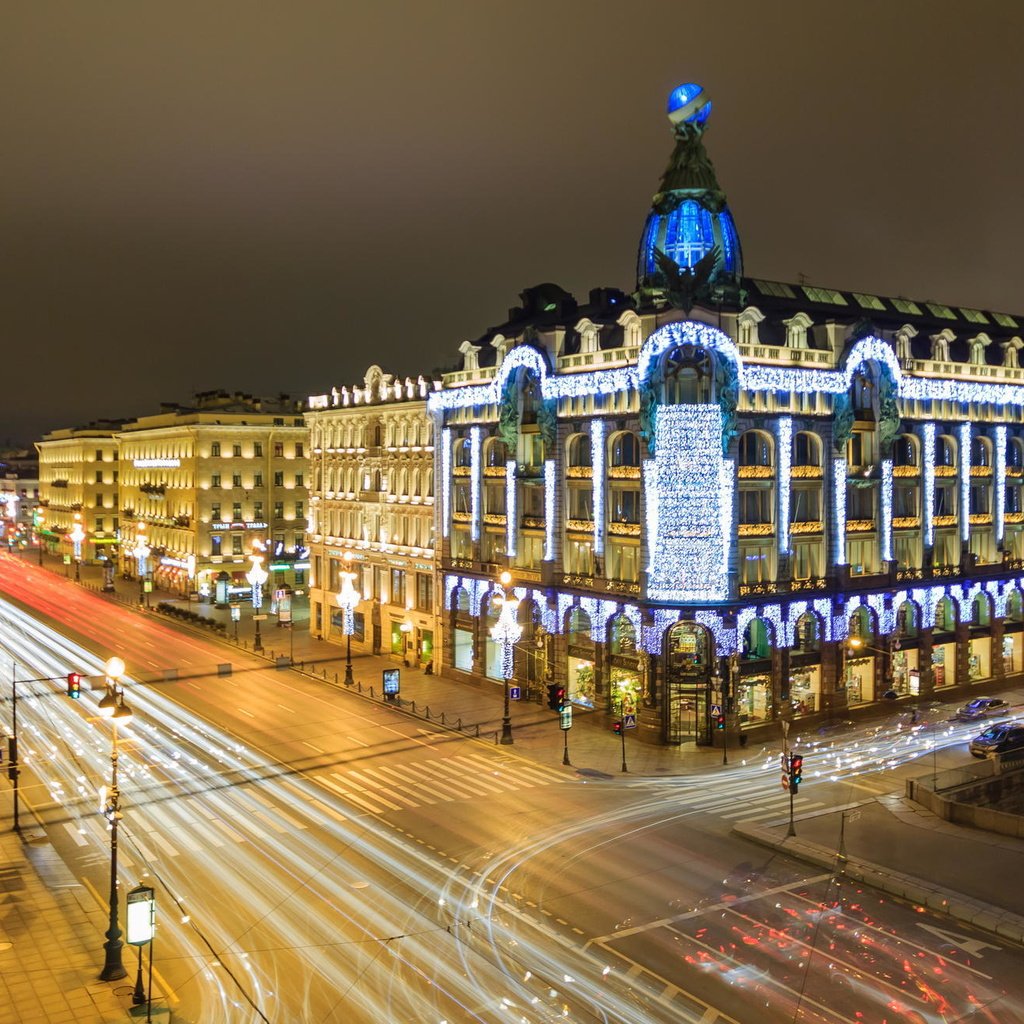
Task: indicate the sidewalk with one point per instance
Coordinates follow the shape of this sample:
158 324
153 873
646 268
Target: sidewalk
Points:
889 846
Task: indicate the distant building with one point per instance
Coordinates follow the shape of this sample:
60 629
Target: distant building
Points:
726 501
202 483
19 497
372 513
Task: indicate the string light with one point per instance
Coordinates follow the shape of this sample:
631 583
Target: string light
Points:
597 451
928 481
650 471
511 518
784 459
1000 495
474 483
446 480
839 509
965 480
886 510
549 510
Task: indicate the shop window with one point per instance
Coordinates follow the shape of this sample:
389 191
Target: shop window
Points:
907 618
980 611
945 616
1015 606
808 633
623 636
757 640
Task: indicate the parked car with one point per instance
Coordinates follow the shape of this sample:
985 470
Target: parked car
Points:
982 707
1002 738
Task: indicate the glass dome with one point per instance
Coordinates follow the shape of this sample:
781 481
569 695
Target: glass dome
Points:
682 96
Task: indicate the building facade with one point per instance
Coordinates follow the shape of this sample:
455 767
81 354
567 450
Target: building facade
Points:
21 516
724 501
372 514
202 484
78 490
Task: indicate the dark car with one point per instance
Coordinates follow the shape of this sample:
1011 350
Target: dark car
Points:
1003 738
982 707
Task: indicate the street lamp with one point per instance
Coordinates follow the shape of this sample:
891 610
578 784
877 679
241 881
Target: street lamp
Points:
112 706
348 598
507 632
77 535
141 552
40 519
257 576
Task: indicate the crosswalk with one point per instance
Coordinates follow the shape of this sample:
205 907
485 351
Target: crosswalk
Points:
775 804
400 787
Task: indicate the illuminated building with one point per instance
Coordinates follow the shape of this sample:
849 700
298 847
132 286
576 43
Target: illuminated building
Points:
372 499
721 491
19 498
78 472
210 479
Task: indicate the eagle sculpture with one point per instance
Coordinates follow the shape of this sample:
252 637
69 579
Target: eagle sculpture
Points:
683 286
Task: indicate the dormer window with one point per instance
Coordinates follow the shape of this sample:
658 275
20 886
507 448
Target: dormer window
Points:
796 330
747 326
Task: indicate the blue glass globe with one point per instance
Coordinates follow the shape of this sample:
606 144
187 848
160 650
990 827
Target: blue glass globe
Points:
686 96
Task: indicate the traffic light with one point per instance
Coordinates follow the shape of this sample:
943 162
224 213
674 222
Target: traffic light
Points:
74 685
556 697
796 768
617 727
719 721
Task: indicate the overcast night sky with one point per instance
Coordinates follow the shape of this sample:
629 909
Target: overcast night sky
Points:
270 197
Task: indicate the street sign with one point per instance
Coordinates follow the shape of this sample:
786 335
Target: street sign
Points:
141 915
716 709
784 761
258 618
629 721
391 678
785 780
565 717
514 692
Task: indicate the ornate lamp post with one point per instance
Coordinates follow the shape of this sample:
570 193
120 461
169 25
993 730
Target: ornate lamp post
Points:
141 553
40 520
257 576
348 598
507 632
77 535
112 706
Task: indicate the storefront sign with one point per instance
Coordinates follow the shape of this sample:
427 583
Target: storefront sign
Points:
238 526
156 463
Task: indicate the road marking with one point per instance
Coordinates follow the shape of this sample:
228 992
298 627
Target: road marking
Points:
351 797
803 806
75 834
311 747
248 714
284 707
330 811
370 786
348 781
360 743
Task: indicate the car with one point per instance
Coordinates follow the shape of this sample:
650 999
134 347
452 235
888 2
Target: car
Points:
982 707
1001 738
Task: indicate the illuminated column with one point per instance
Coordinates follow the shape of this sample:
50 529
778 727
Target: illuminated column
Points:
928 483
549 510
597 449
885 523
474 484
446 480
839 509
784 461
965 482
511 517
999 498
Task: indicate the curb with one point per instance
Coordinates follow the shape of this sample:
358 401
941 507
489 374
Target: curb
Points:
955 905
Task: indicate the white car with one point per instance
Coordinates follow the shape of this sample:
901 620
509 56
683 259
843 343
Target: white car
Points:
982 707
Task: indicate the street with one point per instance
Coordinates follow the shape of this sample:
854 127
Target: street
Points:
319 857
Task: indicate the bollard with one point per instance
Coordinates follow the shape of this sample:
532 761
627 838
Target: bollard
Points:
478 730
335 678
459 726
442 719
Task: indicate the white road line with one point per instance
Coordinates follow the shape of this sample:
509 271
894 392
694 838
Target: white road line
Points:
414 784
284 707
359 743
229 831
330 811
776 811
270 805
351 797
248 714
390 784
181 835
279 829
460 787
350 783
78 838
311 747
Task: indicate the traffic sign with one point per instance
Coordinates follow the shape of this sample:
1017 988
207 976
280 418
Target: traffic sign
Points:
565 717
784 761
514 692
629 721
258 618
716 709
785 780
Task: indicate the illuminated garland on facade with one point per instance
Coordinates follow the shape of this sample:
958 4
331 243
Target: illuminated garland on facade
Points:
928 482
839 508
511 517
999 498
886 510
549 510
446 480
597 453
965 480
474 483
784 460
650 471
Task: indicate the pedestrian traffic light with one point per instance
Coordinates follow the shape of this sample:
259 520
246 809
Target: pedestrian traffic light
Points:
556 697
617 727
719 721
74 685
796 768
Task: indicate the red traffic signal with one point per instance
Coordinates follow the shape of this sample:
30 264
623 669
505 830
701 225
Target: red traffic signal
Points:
719 721
617 727
74 685
556 697
796 768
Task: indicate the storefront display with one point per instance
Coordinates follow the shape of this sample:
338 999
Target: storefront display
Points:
625 691
754 699
944 665
979 658
581 681
463 646
805 690
1011 653
860 680
904 663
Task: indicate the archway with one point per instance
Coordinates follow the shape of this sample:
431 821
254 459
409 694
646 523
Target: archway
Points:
688 670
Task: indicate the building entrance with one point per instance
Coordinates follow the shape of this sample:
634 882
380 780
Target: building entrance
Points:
687 712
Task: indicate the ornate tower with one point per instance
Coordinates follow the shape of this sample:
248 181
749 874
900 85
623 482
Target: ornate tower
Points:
689 220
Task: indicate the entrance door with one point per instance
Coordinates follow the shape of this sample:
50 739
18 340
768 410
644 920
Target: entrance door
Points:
687 685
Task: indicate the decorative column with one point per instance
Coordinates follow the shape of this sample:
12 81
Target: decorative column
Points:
475 504
597 453
999 497
928 501
965 492
784 462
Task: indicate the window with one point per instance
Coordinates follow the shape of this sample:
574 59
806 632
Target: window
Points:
945 500
904 501
756 506
300 509
279 510
463 452
860 503
257 509
236 512
236 544
581 504
398 587
980 500
215 450
99 476
257 480
215 512
806 505
236 480
278 449
99 501
755 449
625 506
806 450
424 592
215 480
279 479
99 455
99 524
257 449
299 450
236 451
625 450
215 544
299 478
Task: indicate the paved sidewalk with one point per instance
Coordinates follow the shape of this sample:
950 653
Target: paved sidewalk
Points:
51 938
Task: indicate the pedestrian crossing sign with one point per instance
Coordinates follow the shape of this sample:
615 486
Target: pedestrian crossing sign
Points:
629 721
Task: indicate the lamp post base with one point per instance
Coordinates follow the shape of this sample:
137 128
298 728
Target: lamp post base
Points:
506 730
113 969
349 681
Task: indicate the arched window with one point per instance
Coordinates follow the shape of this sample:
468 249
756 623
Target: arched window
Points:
905 450
579 629
907 620
625 449
623 636
460 600
579 453
757 640
981 451
1015 606
945 615
806 449
945 451
495 452
861 624
755 449
687 374
981 610
808 632
462 452
1015 453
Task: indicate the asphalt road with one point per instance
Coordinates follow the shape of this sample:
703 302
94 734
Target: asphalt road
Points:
318 858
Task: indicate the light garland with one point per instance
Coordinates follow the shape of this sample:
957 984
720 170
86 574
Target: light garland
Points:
928 481
886 502
650 471
839 508
784 462
690 562
686 332
549 510
999 498
446 480
511 517
965 480
474 483
597 460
